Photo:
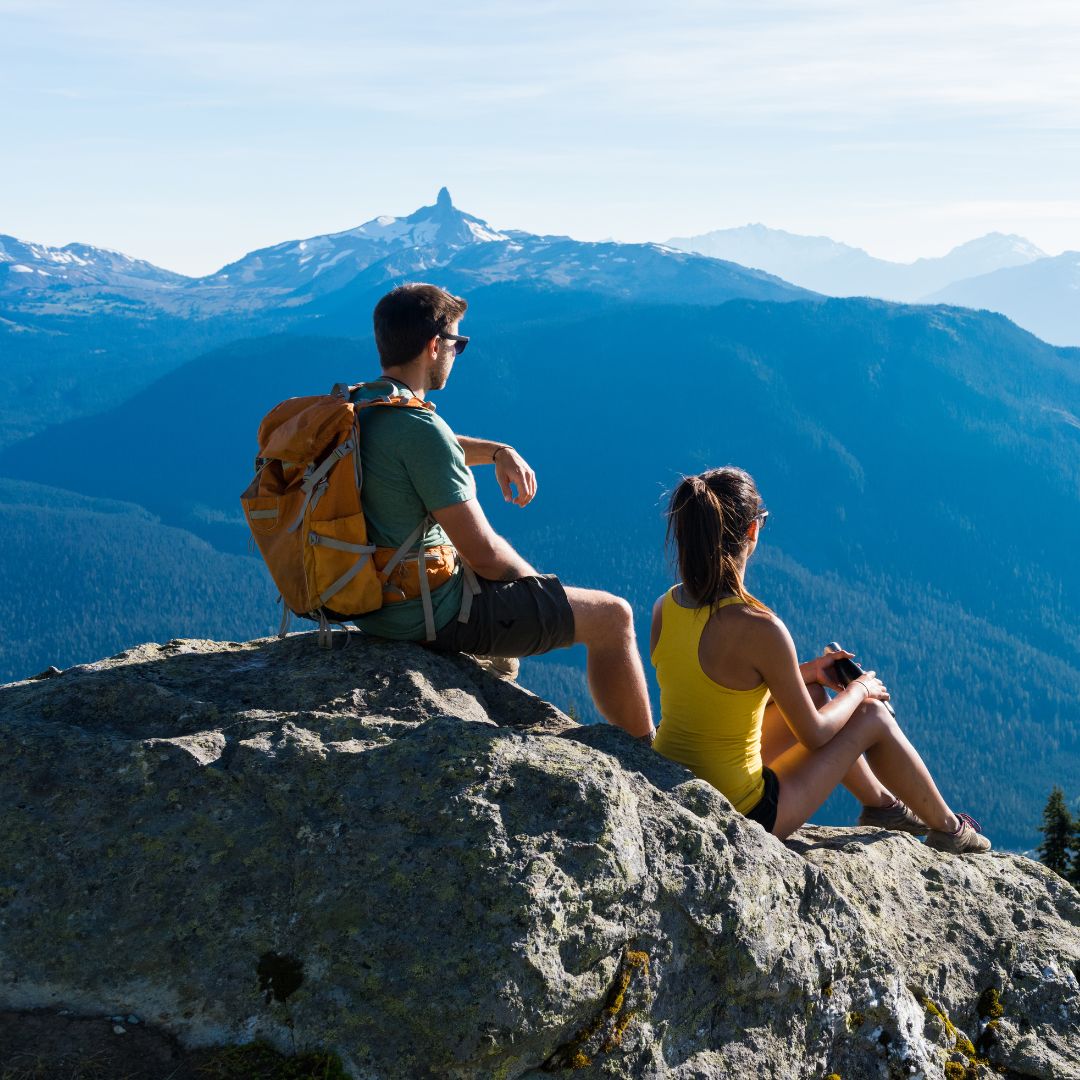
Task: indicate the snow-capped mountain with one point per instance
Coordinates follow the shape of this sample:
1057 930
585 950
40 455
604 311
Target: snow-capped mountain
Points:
32 267
836 269
1042 296
320 274
320 264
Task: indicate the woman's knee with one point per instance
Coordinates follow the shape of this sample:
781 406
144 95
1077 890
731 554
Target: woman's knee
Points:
873 718
817 695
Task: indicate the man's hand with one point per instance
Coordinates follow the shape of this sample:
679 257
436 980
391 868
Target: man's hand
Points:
820 670
512 469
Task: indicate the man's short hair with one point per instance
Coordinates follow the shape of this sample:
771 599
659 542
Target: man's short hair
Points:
408 317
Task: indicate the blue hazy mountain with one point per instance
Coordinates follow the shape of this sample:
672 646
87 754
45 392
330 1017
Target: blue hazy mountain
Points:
1042 296
81 328
837 269
920 463
923 420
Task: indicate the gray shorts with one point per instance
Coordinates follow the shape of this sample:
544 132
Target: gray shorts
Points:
512 618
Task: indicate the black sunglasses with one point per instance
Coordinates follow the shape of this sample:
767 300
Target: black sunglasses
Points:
762 515
459 342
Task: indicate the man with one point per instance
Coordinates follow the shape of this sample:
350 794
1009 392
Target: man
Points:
415 467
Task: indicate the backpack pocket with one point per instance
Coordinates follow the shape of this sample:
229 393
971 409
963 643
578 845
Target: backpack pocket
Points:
263 512
340 565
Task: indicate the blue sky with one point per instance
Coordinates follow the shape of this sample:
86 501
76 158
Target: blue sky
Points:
188 133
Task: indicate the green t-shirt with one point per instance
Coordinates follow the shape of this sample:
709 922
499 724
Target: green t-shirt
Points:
413 464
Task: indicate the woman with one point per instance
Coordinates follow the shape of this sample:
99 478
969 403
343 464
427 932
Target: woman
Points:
720 655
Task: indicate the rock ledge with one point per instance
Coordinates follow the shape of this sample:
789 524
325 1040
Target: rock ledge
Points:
399 857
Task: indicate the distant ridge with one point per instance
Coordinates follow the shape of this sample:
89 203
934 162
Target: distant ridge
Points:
26 267
837 269
1043 296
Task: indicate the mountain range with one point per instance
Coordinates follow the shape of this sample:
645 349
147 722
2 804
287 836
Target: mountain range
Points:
288 278
996 272
921 462
285 282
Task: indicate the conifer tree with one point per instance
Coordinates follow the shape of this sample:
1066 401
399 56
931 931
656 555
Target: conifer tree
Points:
1058 830
1074 866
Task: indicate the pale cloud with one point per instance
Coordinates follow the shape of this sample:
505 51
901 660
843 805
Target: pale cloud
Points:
842 59
887 124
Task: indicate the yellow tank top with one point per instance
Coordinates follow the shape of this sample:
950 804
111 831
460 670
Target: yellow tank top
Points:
712 730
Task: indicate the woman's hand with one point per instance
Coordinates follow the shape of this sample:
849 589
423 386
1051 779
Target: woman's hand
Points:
821 670
875 688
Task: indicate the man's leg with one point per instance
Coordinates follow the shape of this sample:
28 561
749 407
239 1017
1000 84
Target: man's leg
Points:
604 624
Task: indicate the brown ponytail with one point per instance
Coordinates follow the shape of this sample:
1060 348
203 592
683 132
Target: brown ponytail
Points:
707 521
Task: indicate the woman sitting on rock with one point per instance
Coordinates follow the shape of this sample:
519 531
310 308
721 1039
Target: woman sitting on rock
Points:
720 655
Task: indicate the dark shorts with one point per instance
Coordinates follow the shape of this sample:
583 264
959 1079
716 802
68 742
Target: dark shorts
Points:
513 618
764 810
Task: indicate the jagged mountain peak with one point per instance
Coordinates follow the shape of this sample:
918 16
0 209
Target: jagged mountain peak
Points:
441 229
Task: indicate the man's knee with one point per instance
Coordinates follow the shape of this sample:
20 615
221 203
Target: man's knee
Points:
600 616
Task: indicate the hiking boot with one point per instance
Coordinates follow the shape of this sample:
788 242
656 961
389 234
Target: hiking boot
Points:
505 667
898 818
967 839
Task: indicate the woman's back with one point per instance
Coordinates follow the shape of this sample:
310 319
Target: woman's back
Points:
714 730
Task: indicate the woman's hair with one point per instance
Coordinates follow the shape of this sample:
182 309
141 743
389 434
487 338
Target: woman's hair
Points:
707 521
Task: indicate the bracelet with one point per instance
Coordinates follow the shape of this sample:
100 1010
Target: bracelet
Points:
505 446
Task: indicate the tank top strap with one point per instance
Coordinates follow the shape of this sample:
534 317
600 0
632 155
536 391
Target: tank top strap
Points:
726 602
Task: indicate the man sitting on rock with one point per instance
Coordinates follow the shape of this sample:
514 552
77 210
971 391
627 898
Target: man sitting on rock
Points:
414 467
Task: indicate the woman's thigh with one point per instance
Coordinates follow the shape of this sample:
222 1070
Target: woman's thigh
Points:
808 777
776 737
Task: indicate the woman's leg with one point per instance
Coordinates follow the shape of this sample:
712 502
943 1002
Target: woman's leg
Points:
807 777
777 738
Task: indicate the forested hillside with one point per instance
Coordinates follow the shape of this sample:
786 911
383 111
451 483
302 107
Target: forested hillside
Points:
921 465
83 578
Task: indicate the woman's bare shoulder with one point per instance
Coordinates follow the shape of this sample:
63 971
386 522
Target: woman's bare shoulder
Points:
760 624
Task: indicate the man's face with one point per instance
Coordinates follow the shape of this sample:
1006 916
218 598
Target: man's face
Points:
439 371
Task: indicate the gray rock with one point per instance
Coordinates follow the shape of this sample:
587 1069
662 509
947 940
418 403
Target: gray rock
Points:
401 857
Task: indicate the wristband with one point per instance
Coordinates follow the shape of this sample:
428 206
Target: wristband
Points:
505 446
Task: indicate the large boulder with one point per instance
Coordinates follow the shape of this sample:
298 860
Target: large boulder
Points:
399 857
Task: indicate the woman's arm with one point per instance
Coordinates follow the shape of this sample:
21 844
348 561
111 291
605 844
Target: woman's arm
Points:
770 648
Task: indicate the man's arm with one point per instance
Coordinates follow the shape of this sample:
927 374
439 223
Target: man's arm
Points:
510 467
489 555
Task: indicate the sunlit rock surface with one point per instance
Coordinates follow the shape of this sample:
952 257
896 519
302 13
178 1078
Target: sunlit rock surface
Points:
396 856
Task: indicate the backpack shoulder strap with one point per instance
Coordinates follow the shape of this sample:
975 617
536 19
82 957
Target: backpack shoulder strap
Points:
385 392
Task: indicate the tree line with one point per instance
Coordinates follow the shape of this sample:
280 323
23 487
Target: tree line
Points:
1060 848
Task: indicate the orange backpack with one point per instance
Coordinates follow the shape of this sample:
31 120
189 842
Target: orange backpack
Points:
305 515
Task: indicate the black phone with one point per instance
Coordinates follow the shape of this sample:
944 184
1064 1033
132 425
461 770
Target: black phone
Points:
847 671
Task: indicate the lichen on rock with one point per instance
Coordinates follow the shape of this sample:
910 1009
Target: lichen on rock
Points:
396 857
